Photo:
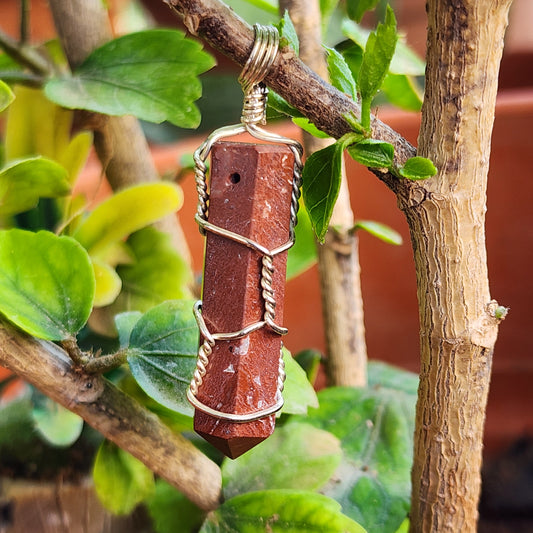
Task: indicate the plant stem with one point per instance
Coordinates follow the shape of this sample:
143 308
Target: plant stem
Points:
457 315
114 414
105 363
365 113
24 55
24 21
338 257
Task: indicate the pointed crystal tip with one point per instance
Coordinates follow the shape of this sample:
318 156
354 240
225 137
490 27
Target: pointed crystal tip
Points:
234 446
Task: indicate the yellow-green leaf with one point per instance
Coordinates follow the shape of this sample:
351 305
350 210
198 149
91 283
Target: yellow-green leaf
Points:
125 212
6 95
108 283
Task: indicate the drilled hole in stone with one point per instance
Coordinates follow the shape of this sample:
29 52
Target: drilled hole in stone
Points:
230 348
235 178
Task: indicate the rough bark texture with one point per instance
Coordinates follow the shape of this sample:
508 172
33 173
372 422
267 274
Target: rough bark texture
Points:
83 25
338 257
324 105
116 415
457 318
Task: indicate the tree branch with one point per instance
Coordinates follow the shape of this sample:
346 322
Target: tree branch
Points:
324 105
114 414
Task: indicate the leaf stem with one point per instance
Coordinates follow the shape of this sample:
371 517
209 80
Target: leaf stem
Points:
24 55
105 363
79 358
22 78
365 113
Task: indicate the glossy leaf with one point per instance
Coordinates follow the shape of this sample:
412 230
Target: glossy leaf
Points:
125 322
303 254
56 424
298 456
36 126
46 283
401 91
22 183
417 168
381 231
298 393
388 376
372 153
6 95
162 353
357 8
321 184
377 57
275 101
157 272
404 61
171 511
121 481
108 283
309 360
375 427
309 127
288 32
150 74
340 75
278 511
125 212
75 154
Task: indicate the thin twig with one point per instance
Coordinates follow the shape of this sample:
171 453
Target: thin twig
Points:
24 21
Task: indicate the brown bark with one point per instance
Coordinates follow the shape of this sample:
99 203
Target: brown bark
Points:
324 105
114 414
338 257
83 25
458 327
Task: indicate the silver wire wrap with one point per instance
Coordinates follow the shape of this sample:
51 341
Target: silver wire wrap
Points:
257 66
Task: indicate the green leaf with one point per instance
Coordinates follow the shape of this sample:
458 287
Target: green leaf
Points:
278 103
417 168
120 480
57 425
276 511
309 127
162 353
321 184
270 6
327 8
125 322
46 283
377 57
388 376
401 91
404 61
375 427
288 32
298 393
297 456
108 283
6 95
302 255
171 511
125 212
340 74
22 183
357 8
404 528
372 153
309 360
157 273
381 231
150 74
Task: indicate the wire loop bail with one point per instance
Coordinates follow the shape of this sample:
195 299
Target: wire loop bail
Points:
262 57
